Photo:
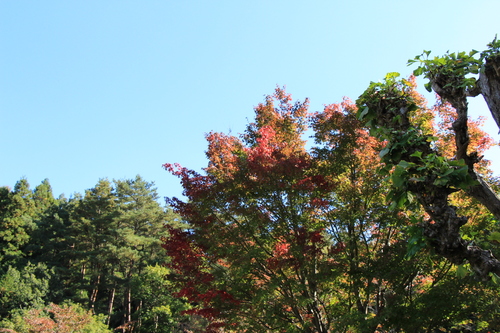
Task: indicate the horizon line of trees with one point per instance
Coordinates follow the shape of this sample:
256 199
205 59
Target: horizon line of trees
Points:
95 259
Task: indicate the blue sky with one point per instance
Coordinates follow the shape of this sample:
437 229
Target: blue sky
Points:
112 89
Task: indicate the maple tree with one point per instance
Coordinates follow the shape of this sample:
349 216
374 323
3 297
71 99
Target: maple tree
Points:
255 239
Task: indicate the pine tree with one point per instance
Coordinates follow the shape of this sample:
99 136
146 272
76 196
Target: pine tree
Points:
17 212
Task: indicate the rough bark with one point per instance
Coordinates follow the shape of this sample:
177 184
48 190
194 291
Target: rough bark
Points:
443 231
457 97
489 84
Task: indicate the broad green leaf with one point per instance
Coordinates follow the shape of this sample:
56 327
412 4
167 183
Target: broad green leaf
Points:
363 113
441 181
447 172
462 271
405 164
418 71
417 154
384 152
398 177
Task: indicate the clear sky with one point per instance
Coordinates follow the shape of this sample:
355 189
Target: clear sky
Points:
115 88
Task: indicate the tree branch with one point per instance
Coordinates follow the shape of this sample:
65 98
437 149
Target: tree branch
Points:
489 83
457 97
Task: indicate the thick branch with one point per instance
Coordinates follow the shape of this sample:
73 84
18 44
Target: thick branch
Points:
489 83
458 99
443 231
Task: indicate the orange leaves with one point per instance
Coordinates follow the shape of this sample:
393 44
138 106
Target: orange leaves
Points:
271 154
281 249
256 218
343 134
224 155
289 121
480 141
63 319
347 153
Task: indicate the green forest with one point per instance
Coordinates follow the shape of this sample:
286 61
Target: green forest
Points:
373 215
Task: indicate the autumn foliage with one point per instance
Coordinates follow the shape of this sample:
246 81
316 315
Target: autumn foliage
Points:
282 238
253 218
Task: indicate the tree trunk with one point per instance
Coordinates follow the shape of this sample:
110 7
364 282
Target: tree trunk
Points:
82 271
139 319
110 304
489 83
128 304
93 295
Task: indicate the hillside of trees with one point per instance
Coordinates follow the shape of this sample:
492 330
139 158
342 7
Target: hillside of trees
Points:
95 259
388 222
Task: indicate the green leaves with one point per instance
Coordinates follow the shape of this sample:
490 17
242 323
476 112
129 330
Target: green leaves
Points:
391 77
493 48
494 237
442 172
416 240
454 68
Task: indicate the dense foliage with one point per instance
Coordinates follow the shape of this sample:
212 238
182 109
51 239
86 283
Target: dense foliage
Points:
100 252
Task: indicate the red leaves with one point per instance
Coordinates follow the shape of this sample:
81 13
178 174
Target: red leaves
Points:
298 246
313 183
281 256
185 255
195 185
273 161
253 216
197 283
